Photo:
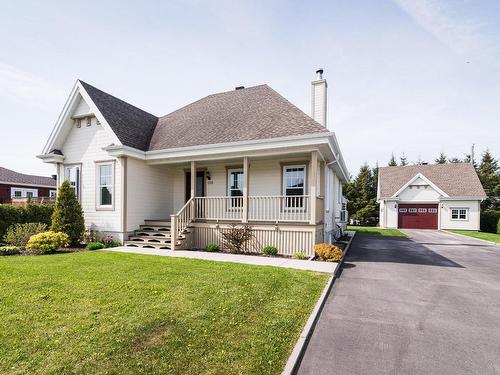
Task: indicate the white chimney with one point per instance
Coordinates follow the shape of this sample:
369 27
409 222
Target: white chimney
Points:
318 98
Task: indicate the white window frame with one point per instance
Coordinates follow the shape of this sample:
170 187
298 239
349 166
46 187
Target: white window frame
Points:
52 193
432 210
412 210
422 210
23 192
77 186
297 204
238 199
98 185
403 210
459 213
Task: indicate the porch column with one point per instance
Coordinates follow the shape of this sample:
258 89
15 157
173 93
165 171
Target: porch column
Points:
313 181
193 179
245 190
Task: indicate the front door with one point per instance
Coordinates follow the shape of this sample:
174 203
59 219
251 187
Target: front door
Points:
200 184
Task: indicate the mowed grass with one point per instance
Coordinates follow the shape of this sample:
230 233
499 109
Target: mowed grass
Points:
376 231
116 313
481 235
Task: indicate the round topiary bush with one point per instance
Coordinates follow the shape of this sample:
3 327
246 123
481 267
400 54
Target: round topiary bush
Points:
270 250
299 255
212 247
329 252
47 242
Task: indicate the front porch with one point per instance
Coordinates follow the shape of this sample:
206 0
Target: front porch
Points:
281 197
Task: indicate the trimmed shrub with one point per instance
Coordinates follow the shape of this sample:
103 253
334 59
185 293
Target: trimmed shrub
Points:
212 247
68 215
328 252
112 243
47 242
19 234
299 255
31 213
490 221
9 250
95 246
270 250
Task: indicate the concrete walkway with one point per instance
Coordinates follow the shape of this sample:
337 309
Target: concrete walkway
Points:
326 267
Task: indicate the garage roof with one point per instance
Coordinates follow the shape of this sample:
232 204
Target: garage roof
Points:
455 179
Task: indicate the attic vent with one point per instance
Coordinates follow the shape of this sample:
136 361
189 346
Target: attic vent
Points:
239 87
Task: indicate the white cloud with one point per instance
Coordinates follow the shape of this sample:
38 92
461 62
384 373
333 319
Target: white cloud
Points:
28 88
461 34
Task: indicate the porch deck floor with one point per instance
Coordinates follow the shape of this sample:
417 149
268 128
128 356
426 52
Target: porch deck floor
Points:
325 267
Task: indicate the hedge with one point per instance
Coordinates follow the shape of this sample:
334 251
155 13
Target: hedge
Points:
490 221
31 213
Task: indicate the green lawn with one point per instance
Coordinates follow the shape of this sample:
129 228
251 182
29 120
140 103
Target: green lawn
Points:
481 235
376 231
116 313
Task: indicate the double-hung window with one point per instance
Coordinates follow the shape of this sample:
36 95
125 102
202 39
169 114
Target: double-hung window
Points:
294 177
235 187
105 185
459 213
72 175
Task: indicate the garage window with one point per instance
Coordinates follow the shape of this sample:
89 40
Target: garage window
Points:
403 210
459 214
422 210
433 210
412 210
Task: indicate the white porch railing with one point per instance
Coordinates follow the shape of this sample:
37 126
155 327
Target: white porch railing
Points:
260 208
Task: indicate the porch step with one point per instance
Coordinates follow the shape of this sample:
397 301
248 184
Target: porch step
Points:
147 245
153 239
161 223
154 228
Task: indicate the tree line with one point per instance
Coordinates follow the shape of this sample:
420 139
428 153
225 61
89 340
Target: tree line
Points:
361 190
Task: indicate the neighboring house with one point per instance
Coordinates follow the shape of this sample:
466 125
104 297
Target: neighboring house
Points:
24 187
440 196
242 156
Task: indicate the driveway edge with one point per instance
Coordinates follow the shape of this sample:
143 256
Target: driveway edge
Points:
469 237
293 363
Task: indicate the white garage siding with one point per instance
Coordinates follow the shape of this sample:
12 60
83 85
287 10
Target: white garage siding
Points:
472 221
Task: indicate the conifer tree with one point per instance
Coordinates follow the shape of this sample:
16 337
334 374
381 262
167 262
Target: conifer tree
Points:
442 159
392 162
403 160
68 215
489 174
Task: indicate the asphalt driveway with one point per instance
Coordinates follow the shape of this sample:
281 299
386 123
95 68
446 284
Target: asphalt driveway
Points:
425 305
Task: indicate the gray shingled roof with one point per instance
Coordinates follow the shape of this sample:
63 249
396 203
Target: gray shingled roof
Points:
133 126
239 115
455 179
8 176
252 113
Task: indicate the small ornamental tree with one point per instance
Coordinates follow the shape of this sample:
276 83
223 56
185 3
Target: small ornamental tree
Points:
68 214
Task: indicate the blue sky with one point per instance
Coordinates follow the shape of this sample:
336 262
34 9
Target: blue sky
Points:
418 77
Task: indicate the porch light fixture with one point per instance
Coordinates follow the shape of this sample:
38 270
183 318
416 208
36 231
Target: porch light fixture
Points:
207 175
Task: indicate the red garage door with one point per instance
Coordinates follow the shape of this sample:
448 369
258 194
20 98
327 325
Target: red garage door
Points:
418 216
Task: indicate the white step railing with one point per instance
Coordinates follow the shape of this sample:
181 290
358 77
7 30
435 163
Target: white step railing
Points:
180 221
219 208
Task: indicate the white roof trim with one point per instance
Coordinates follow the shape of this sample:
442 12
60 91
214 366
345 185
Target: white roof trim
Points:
421 176
65 115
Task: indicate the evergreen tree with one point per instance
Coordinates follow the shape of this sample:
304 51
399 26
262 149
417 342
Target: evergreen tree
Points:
455 160
392 162
403 160
489 174
362 195
68 215
442 159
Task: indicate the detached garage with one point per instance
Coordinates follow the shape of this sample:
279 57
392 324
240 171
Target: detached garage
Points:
439 196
